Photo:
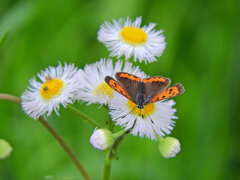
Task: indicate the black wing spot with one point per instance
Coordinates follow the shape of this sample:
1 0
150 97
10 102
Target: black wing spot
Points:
170 90
173 93
163 96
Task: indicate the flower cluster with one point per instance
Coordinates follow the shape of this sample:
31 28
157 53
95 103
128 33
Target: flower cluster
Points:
62 85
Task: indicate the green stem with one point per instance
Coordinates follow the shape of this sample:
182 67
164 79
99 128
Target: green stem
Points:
113 150
60 140
109 122
83 116
66 148
107 165
119 133
107 160
160 139
110 153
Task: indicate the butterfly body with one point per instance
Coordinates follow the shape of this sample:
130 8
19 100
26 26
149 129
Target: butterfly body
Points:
143 91
140 98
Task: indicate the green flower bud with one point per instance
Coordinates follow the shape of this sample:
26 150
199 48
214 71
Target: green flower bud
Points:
5 149
102 139
169 146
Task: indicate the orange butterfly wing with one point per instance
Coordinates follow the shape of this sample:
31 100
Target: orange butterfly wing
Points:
117 87
154 86
131 84
170 92
156 79
124 75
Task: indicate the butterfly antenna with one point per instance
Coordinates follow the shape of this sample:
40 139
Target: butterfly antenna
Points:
133 124
149 116
127 113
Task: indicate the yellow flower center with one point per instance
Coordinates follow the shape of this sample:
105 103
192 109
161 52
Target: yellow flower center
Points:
147 110
133 35
51 88
103 89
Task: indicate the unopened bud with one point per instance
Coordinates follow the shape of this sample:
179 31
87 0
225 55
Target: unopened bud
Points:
5 149
169 146
102 139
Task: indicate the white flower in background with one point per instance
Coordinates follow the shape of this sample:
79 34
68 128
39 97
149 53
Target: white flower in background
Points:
5 149
155 118
169 146
128 38
58 85
94 89
102 139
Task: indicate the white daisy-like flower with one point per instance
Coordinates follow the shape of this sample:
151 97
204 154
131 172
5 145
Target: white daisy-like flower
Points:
155 118
128 38
58 85
94 89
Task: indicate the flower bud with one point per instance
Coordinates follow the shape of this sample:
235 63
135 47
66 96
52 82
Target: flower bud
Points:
101 139
169 146
5 149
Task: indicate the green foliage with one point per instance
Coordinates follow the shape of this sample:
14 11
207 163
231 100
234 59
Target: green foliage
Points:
3 37
202 53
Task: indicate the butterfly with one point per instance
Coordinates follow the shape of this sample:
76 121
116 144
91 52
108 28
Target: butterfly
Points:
144 91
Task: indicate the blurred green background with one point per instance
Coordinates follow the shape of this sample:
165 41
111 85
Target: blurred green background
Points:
202 53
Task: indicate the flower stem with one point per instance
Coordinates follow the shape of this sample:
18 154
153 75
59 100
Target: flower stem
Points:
10 98
110 154
119 133
60 140
83 116
160 139
65 147
107 165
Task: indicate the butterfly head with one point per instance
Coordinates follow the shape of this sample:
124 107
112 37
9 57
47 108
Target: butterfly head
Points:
140 100
140 106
